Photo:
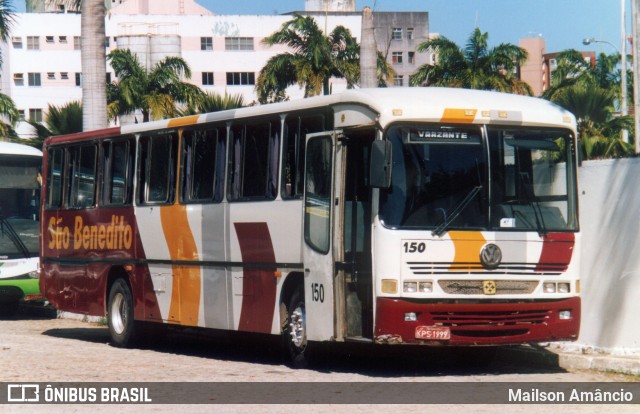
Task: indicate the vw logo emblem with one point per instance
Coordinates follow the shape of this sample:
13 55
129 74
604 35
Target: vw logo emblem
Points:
490 256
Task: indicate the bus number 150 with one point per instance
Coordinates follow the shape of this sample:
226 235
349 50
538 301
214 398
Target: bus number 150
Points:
317 292
413 247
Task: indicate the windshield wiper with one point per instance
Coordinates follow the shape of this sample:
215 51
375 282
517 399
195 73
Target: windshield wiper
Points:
8 229
453 214
535 204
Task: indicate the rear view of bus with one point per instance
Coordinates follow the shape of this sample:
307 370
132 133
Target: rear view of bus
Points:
476 234
19 225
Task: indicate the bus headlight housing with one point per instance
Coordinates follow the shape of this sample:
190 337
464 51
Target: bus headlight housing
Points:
410 287
549 287
425 287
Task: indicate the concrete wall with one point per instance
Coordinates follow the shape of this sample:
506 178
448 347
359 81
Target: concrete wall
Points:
610 286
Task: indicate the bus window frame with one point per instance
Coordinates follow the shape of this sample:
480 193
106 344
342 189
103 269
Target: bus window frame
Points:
142 177
69 179
106 171
185 190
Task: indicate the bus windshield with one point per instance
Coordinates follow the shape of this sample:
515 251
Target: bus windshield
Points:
484 178
19 201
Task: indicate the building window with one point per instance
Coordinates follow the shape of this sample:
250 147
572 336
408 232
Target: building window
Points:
396 58
78 79
33 43
410 33
77 43
396 33
107 42
108 77
35 115
207 78
21 114
34 79
64 75
17 42
51 75
62 39
18 78
238 43
206 43
49 39
412 57
241 78
398 81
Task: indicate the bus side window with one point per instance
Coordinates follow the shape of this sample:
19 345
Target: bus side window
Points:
202 165
157 165
82 176
296 128
253 162
54 178
117 172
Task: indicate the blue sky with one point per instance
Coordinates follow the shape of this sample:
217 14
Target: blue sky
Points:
563 23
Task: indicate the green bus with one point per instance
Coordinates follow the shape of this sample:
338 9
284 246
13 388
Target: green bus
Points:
20 182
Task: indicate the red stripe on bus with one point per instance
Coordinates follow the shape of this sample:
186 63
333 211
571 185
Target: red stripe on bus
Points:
258 285
557 250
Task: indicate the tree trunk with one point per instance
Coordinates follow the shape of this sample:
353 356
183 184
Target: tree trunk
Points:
368 51
94 72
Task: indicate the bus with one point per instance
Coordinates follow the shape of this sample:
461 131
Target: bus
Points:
19 225
391 216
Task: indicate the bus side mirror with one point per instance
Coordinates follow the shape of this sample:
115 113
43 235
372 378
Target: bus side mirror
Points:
380 172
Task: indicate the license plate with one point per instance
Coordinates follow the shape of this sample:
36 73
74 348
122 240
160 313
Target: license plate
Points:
434 333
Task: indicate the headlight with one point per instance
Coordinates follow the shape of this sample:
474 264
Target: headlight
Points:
549 287
410 287
564 287
425 287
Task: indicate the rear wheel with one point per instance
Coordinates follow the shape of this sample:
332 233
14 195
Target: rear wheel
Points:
9 307
122 327
294 335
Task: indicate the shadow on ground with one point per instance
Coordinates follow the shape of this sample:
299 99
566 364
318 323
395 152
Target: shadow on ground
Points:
364 359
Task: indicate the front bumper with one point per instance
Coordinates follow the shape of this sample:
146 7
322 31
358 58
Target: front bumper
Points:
502 323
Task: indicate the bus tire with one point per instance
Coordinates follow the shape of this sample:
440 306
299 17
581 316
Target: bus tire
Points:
294 335
9 307
122 327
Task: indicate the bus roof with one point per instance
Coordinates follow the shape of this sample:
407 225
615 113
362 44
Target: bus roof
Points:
11 148
433 104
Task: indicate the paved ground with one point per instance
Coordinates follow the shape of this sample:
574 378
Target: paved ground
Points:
41 348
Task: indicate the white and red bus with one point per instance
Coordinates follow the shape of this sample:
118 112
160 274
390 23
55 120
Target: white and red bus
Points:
401 215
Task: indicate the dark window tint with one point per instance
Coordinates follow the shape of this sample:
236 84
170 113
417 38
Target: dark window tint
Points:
54 178
118 172
253 161
296 128
82 176
203 165
157 168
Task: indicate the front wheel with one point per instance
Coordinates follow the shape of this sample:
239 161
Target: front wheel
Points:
294 335
120 314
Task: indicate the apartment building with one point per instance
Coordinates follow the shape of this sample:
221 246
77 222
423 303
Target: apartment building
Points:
225 52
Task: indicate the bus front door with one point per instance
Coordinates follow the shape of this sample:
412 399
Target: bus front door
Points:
318 244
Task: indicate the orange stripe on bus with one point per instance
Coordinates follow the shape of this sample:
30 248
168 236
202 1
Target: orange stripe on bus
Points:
467 245
184 121
459 115
185 293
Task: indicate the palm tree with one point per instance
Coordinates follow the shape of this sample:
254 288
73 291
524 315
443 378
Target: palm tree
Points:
60 120
474 67
156 92
591 92
214 102
94 89
314 60
8 110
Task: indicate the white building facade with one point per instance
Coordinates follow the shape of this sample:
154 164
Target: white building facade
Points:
225 52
